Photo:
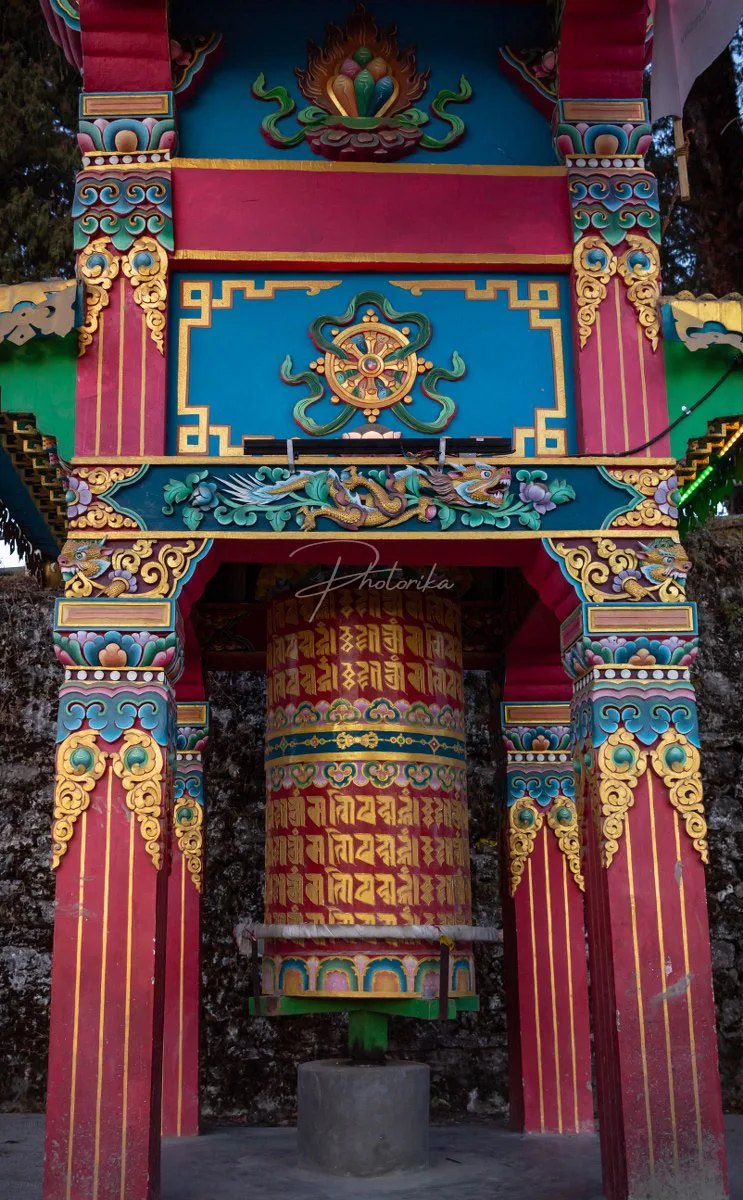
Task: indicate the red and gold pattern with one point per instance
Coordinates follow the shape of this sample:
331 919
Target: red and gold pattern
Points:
366 817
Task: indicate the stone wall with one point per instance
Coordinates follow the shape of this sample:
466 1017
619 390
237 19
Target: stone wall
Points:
716 584
29 680
249 1064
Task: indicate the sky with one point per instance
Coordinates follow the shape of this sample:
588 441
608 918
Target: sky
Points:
8 558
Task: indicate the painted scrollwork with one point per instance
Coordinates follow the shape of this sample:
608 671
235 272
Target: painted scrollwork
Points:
659 486
98 268
620 571
524 823
594 263
146 567
139 766
621 763
146 267
100 515
639 267
80 764
562 819
676 761
100 479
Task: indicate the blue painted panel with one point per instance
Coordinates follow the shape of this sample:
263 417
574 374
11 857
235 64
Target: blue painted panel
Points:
223 119
461 496
512 333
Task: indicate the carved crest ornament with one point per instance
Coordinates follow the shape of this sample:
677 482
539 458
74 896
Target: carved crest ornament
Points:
362 90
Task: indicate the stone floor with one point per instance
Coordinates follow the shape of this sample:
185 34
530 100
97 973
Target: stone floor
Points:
469 1162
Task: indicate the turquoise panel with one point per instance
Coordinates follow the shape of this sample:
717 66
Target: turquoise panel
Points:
499 354
222 120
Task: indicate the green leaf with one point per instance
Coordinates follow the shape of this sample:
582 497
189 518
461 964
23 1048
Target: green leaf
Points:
278 519
472 519
413 486
174 492
236 516
530 519
561 491
272 474
192 517
316 487
447 516
195 477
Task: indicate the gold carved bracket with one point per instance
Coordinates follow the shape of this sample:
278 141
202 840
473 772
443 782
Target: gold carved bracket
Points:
188 819
98 268
676 761
621 765
80 764
146 268
562 819
524 823
139 766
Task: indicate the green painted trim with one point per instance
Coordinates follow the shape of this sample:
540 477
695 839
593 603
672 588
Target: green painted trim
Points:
39 377
689 374
367 1032
422 1010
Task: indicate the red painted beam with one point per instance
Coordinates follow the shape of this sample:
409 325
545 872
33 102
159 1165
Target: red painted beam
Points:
326 215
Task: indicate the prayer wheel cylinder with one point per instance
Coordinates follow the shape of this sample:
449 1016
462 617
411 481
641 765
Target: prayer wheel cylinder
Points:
366 811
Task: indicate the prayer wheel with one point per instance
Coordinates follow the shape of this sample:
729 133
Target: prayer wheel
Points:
366 812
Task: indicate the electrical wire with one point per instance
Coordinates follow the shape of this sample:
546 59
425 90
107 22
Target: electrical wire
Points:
687 411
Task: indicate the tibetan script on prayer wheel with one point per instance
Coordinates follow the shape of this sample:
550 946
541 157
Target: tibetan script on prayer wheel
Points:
366 814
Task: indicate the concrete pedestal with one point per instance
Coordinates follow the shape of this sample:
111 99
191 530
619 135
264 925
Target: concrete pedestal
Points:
363 1120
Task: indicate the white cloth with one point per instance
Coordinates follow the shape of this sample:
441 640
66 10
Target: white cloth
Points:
688 36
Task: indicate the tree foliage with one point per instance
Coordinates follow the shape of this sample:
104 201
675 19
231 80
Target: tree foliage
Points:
38 152
703 237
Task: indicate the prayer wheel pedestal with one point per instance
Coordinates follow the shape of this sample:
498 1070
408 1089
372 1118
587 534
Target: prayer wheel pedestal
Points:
363 1120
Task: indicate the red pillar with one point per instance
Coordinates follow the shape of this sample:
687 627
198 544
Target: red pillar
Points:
110 851
180 1114
615 281
123 226
549 1044
637 757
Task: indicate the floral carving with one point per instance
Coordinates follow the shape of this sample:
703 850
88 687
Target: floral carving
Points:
659 487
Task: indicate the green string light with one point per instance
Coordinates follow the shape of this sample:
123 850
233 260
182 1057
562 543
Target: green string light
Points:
693 487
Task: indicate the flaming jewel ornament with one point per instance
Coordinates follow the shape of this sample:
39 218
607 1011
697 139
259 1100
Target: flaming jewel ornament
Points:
362 90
